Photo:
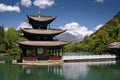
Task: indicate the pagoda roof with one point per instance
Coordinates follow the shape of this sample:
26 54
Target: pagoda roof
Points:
41 18
43 43
114 45
43 31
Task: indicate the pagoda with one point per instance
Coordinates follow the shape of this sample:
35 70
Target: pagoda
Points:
40 43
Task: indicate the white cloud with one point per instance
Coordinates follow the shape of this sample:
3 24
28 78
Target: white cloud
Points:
6 28
98 27
4 8
24 25
99 1
75 28
44 3
26 3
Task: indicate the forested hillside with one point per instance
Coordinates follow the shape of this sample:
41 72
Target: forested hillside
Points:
98 42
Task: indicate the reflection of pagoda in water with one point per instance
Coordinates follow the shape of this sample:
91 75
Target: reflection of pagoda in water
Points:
40 44
67 71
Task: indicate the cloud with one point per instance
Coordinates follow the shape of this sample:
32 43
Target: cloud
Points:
4 8
43 3
99 1
75 29
26 3
98 27
6 28
24 25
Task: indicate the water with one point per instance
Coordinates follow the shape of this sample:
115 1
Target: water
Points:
105 70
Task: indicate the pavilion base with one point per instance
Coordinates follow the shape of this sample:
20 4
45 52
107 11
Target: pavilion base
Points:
29 59
40 58
43 57
55 57
42 63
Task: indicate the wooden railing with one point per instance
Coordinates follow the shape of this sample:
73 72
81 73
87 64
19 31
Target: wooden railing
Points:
55 57
31 58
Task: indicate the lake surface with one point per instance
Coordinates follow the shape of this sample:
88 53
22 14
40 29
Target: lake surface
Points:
104 70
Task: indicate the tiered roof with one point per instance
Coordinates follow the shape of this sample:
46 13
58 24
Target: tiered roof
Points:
43 43
41 18
40 30
115 45
44 31
40 21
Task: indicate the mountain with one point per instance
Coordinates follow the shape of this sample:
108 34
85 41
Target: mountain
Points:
98 42
74 32
70 37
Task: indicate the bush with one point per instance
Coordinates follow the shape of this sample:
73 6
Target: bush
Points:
14 51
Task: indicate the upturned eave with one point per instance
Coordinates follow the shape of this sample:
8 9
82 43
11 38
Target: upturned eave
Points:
43 43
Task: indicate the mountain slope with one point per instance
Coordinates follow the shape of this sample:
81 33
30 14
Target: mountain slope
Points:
113 22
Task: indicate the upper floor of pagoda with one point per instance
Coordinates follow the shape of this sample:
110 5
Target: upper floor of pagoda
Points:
41 34
40 21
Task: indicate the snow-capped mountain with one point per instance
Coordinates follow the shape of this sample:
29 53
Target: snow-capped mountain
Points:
70 37
74 33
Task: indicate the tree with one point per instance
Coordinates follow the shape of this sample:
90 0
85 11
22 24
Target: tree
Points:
11 37
2 45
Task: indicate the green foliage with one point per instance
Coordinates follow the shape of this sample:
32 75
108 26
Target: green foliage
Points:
99 41
11 37
2 44
14 51
8 41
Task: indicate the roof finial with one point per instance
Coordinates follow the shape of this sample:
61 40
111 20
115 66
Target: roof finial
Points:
38 11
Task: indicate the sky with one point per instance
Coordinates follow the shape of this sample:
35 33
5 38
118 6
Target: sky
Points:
84 16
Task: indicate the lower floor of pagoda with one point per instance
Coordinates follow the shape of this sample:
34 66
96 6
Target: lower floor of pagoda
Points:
40 53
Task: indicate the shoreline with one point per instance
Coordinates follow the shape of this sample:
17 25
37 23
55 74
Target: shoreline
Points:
40 63
90 60
65 59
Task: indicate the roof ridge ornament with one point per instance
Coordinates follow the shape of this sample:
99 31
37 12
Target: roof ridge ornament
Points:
38 11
